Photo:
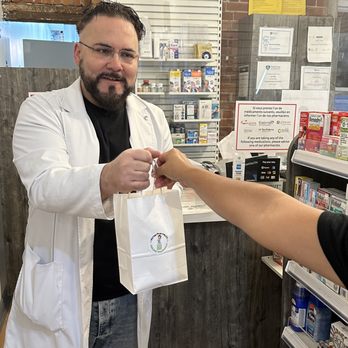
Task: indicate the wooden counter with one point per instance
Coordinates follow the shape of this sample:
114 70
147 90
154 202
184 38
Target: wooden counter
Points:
231 299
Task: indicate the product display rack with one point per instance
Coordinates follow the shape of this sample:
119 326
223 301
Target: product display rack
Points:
330 172
274 266
167 99
197 121
319 162
332 300
297 339
190 22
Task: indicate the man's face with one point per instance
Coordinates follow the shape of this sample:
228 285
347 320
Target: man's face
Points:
107 78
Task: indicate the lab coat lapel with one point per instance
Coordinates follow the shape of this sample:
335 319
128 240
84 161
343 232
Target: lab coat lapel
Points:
140 124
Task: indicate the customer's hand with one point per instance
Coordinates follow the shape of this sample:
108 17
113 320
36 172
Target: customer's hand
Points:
172 165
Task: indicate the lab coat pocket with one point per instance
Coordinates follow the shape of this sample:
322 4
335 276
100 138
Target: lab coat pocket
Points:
38 292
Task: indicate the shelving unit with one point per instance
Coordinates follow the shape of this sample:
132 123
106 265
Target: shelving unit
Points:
332 300
330 172
322 163
297 339
196 121
191 22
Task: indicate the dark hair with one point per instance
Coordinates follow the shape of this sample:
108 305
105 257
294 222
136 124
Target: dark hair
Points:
112 9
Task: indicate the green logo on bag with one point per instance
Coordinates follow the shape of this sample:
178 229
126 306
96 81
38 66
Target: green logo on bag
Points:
159 242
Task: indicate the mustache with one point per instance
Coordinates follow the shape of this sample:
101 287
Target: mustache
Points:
112 76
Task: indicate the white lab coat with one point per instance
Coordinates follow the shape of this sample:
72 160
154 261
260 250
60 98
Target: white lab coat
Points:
56 152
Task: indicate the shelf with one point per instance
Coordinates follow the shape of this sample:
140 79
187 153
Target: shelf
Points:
275 267
297 339
179 60
193 145
192 94
322 163
334 301
150 93
197 121
176 93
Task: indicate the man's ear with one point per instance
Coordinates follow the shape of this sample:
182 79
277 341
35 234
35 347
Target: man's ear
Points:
77 53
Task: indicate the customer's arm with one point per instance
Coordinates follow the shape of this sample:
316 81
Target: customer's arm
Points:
270 217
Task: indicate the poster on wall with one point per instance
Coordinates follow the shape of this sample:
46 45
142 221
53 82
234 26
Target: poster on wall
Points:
273 75
294 7
264 126
319 44
276 42
284 7
315 78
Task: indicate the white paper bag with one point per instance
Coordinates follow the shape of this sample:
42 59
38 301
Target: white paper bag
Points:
150 239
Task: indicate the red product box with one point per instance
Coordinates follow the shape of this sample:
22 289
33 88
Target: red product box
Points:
323 199
317 126
335 124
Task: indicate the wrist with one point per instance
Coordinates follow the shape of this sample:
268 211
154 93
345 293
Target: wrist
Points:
104 183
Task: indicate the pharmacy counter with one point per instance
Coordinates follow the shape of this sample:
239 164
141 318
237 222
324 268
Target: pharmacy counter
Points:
200 214
231 298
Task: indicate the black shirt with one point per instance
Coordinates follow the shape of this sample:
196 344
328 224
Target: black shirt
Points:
113 133
333 238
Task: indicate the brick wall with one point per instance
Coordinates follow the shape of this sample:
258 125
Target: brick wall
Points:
232 11
68 11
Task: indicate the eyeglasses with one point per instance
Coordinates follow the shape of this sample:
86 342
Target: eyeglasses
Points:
107 53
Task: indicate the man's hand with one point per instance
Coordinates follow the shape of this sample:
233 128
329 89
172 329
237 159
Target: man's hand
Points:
127 172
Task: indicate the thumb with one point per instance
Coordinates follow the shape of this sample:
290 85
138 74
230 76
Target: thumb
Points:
154 153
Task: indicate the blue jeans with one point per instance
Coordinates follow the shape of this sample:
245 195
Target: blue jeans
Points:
114 323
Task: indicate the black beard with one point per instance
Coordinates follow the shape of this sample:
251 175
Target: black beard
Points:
110 101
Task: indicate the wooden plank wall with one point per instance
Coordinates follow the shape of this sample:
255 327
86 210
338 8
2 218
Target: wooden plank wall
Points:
15 83
231 298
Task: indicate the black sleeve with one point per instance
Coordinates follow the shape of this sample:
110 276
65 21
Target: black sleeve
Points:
333 238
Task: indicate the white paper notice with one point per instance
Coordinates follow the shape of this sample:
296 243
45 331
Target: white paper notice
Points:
306 101
264 126
276 42
243 82
273 75
315 78
319 45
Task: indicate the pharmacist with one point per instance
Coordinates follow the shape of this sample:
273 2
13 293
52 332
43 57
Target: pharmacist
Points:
315 239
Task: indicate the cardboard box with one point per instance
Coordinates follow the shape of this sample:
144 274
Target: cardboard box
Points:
318 124
262 168
336 122
192 136
209 80
338 204
186 80
204 109
342 149
191 110
298 190
175 80
179 112
178 138
203 50
328 145
196 81
339 334
174 48
215 109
